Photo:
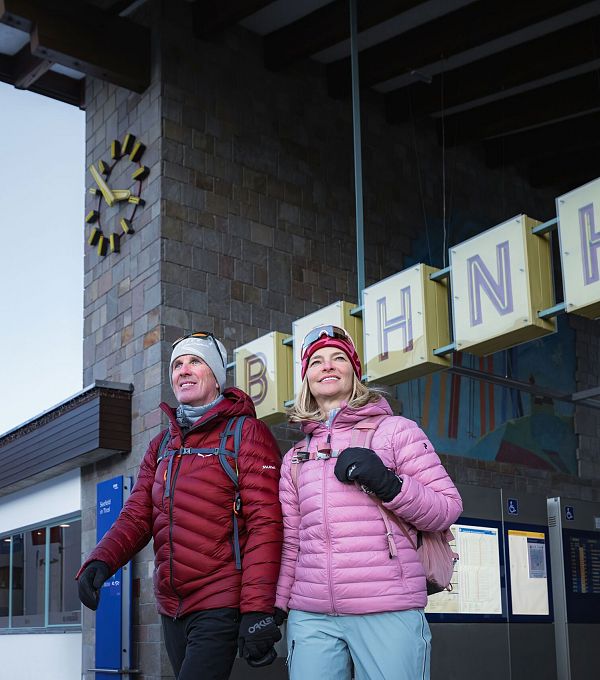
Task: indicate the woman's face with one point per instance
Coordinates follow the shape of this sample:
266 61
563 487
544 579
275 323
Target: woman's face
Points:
330 377
193 381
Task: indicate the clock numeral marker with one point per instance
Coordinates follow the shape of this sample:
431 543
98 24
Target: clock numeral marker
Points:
137 152
94 236
140 173
94 191
136 200
92 217
128 143
115 149
126 225
115 243
102 245
104 168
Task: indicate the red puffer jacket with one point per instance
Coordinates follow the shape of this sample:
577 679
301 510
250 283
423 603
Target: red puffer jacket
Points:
193 525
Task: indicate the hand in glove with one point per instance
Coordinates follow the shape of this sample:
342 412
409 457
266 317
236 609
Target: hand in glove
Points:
367 468
280 616
258 634
90 581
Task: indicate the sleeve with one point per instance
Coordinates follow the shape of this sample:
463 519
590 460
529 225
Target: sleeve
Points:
259 462
288 496
428 499
132 529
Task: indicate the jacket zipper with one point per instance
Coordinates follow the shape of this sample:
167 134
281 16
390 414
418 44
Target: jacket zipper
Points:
171 498
326 522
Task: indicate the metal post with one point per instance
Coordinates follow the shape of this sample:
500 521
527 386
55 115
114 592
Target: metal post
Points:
360 239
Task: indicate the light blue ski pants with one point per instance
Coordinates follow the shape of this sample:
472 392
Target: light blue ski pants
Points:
386 646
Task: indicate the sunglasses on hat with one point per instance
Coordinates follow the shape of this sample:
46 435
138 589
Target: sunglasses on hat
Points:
324 331
202 335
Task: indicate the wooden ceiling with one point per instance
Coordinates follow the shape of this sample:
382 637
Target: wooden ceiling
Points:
519 78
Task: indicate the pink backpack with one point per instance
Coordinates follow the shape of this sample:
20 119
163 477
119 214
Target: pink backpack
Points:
433 547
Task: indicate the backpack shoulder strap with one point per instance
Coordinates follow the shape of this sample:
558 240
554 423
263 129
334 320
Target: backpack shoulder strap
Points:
302 445
162 447
363 431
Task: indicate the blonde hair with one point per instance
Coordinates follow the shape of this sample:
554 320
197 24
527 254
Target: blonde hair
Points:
305 406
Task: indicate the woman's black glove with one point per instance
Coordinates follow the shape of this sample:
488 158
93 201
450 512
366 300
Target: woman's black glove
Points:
258 634
90 581
280 616
367 468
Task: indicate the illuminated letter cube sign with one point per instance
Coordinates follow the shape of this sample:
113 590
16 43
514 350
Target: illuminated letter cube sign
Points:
337 314
579 233
405 317
263 369
501 279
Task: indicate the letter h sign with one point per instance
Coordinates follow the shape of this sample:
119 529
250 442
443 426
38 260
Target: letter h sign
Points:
579 234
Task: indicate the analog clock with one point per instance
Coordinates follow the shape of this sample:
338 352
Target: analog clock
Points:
118 187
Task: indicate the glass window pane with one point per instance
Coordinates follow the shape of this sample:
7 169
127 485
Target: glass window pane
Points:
18 560
4 580
65 557
33 580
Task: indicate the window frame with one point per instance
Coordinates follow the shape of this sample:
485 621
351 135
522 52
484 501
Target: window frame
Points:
47 627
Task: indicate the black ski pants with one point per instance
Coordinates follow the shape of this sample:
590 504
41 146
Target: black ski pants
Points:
202 645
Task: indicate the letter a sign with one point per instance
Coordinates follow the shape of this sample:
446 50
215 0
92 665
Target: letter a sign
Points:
500 280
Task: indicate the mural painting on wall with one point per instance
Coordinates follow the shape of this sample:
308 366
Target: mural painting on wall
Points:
499 301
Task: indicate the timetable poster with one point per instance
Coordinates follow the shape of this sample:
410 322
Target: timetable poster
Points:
528 574
476 587
584 557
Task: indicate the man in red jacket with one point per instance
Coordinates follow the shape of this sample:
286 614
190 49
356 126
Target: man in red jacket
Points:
217 544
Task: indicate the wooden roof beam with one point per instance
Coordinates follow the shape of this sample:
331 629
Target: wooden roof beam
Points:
28 69
210 16
325 27
540 58
566 98
85 38
465 28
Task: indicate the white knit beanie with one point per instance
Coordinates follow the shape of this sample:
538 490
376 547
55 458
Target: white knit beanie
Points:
206 349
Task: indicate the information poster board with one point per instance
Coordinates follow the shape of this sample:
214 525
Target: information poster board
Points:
528 570
477 583
581 550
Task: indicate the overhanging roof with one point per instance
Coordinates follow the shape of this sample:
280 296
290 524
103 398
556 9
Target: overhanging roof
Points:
89 426
521 78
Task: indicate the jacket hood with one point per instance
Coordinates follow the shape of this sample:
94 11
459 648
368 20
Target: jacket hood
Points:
347 417
234 403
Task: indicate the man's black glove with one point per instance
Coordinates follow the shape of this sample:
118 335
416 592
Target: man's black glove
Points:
367 468
90 581
258 634
280 616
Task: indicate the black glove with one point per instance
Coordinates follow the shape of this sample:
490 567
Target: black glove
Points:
258 634
280 616
90 581
367 468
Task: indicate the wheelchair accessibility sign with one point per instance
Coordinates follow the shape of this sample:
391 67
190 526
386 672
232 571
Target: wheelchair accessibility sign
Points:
512 506
569 513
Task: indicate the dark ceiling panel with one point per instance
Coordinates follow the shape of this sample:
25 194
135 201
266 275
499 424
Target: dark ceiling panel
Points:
564 49
571 97
325 27
566 171
210 16
451 34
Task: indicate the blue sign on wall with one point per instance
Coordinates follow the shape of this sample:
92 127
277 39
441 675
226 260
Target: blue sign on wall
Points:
109 616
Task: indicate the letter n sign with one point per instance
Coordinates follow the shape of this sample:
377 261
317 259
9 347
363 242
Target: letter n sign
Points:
405 318
579 232
263 369
500 280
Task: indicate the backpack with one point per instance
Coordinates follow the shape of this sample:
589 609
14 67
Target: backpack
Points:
232 429
433 547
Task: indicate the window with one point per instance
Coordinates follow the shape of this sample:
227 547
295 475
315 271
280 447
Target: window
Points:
37 576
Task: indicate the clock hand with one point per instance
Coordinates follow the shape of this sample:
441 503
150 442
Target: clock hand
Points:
103 186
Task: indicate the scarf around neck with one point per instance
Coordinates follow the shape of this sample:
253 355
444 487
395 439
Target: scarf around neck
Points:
187 415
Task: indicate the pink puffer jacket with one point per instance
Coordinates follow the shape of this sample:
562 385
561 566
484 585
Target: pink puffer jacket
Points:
336 556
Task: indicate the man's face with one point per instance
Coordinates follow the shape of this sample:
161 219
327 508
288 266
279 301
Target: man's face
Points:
193 382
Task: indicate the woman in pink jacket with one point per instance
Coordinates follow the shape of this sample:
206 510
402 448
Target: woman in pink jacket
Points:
351 583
